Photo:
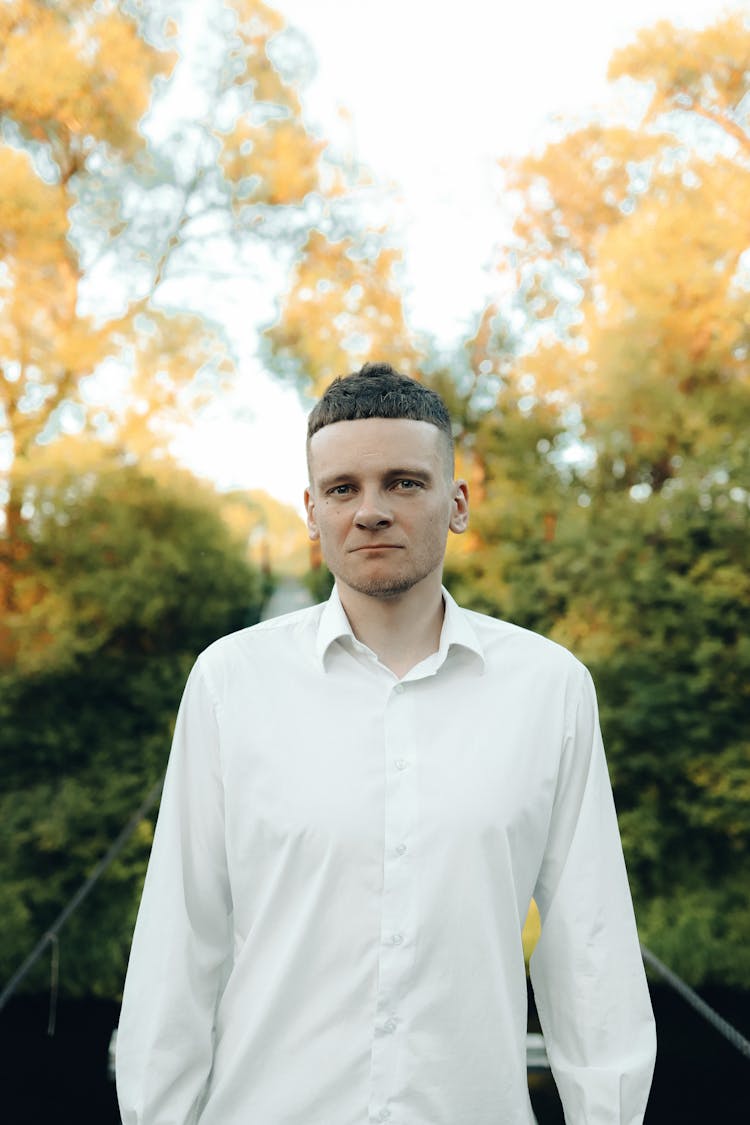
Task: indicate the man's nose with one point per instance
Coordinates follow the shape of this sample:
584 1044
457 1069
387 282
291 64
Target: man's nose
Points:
373 511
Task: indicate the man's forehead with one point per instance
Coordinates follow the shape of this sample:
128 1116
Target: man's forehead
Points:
389 443
377 435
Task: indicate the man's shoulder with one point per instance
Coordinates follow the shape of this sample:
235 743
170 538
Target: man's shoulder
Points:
275 635
500 638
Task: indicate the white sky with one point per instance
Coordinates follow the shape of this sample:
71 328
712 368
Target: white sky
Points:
437 93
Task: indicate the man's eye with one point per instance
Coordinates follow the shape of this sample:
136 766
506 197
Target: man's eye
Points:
339 490
408 485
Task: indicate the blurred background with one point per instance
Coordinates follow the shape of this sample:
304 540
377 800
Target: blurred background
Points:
209 211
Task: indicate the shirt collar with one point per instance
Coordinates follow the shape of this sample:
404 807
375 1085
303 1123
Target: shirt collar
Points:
332 625
457 629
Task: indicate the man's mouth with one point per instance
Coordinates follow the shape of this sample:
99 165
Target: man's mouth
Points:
377 547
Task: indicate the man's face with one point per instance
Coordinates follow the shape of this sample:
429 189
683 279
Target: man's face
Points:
381 500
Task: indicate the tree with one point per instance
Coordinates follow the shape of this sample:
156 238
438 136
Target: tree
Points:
343 306
136 577
124 181
614 463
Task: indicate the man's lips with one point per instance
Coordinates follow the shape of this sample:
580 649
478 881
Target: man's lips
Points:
376 547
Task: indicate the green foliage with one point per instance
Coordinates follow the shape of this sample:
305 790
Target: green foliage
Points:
654 596
674 680
131 579
319 582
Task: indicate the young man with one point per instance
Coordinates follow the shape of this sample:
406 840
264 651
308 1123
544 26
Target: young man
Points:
362 798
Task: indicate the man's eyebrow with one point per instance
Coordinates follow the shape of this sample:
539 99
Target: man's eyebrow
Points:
337 478
423 473
348 476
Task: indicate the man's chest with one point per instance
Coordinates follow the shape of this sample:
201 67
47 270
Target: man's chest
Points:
347 770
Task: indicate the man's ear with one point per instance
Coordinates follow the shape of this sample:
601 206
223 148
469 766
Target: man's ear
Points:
460 509
312 527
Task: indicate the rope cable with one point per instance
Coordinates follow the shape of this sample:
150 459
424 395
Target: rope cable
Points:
678 984
112 852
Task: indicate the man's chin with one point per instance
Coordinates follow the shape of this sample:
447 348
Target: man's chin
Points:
382 586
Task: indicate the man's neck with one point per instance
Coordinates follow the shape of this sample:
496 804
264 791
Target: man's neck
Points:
402 630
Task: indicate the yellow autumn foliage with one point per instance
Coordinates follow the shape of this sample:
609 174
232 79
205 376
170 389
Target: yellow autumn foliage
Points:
75 82
575 188
648 225
256 24
279 157
532 931
341 310
682 261
33 214
704 69
80 68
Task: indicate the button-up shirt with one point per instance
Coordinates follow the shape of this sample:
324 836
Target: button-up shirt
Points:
330 929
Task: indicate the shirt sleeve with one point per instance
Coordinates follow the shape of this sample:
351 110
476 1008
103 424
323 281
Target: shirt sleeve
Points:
587 972
182 942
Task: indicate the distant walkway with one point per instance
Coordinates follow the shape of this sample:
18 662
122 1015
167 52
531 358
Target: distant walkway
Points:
288 596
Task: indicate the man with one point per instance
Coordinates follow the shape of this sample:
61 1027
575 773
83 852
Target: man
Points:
362 798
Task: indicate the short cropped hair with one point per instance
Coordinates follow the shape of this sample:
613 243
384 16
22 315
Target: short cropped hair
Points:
379 391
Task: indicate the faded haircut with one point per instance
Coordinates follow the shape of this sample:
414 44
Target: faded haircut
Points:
379 391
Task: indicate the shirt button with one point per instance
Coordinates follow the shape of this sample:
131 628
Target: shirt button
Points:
390 1025
401 763
384 1115
400 849
399 689
396 939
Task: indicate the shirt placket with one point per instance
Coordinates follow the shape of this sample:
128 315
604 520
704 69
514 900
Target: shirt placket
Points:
397 922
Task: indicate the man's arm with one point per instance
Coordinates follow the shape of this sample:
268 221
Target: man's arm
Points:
182 940
588 976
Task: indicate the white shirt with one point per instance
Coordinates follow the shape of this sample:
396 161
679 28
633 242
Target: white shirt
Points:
330 929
